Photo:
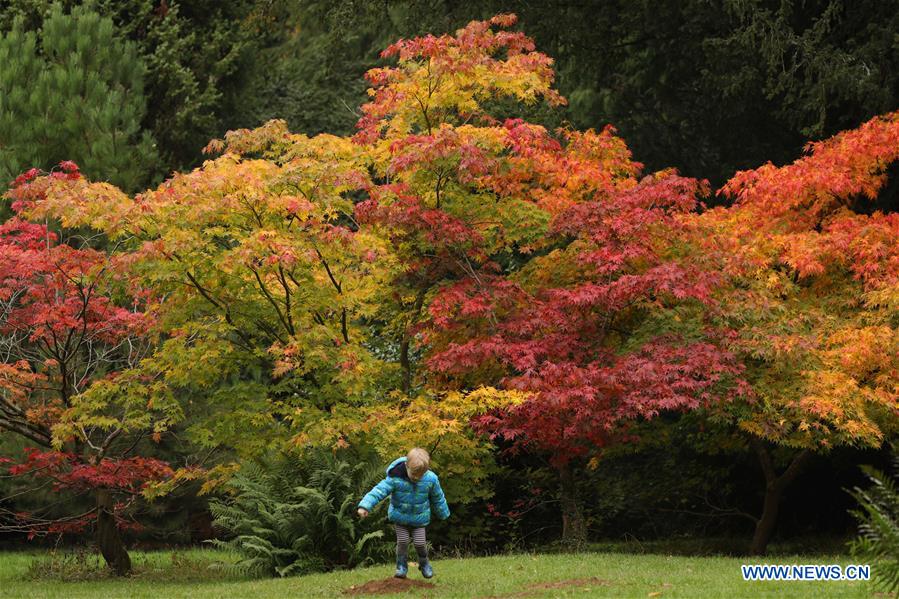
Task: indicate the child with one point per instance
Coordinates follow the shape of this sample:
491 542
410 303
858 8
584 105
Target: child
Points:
414 491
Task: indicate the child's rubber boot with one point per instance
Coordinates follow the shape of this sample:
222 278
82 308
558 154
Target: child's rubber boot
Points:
425 566
402 567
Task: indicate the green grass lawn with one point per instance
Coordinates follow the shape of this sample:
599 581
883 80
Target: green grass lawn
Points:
511 576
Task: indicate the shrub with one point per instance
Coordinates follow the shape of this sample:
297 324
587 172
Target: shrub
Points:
295 515
878 516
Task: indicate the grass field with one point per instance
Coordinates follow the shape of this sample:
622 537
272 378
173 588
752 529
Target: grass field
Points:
192 574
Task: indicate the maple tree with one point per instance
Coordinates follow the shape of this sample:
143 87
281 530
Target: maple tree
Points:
813 289
534 254
268 297
70 332
596 330
434 145
265 280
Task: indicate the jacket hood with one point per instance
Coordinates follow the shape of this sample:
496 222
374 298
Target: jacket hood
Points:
394 463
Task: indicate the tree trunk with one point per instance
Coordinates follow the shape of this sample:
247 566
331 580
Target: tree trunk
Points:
108 538
764 528
574 527
774 488
405 366
406 343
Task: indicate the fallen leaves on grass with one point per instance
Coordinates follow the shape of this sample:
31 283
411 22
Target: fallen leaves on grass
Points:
584 583
388 585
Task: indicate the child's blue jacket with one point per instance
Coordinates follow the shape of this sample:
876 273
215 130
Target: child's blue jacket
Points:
410 503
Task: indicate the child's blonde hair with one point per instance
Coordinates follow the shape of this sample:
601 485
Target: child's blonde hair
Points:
417 462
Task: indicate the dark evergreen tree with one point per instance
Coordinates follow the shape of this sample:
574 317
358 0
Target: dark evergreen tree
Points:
73 91
197 53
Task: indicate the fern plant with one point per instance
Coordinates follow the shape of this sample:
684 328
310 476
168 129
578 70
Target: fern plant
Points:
291 515
878 516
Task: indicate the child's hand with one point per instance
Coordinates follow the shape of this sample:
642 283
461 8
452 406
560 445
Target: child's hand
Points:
362 512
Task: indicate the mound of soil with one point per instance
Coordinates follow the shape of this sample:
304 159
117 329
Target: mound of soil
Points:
388 585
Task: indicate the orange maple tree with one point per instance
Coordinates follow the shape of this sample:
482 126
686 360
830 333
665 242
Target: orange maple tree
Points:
813 290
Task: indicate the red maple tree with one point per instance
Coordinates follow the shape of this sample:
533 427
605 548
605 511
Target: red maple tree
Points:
596 331
67 328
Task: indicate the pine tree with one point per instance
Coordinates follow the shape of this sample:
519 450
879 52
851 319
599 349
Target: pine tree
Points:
73 91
